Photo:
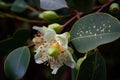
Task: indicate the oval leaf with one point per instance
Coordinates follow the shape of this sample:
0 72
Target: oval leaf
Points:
94 30
92 68
18 6
17 62
52 4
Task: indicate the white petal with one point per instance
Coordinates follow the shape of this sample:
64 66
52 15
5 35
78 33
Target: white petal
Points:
62 38
38 61
41 59
55 65
70 61
49 34
40 29
54 70
38 58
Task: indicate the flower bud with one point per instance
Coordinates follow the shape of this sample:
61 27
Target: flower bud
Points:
53 52
48 15
114 8
79 62
103 1
57 27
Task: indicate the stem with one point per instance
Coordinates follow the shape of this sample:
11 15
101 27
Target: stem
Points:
69 21
31 8
105 5
21 18
78 14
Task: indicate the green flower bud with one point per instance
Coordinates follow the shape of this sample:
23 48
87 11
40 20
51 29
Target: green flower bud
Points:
57 27
103 1
71 50
68 36
79 62
114 8
53 52
48 15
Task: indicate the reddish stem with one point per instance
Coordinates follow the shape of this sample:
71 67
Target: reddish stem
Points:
69 21
77 15
105 5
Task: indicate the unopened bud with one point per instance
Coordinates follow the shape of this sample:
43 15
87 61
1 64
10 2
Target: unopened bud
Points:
57 27
48 15
114 8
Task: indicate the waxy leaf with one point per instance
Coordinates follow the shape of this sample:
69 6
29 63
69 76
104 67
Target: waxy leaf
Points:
17 63
52 4
92 68
93 30
19 6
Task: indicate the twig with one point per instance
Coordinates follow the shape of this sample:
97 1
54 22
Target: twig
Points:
31 8
105 5
21 18
69 21
77 15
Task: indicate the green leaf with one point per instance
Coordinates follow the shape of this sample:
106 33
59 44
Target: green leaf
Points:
19 39
81 5
93 68
93 30
17 63
52 4
18 6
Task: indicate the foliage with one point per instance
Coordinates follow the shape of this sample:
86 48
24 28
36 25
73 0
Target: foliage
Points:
71 30
17 62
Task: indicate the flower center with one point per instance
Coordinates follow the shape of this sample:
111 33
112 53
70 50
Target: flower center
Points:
54 50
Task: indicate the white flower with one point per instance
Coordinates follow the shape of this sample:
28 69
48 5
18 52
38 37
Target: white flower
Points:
52 48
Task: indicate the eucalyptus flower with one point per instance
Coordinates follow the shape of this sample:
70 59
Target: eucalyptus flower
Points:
52 48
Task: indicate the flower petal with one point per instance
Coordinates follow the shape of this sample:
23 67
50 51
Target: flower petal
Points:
39 59
55 65
62 39
40 29
49 34
55 70
70 61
